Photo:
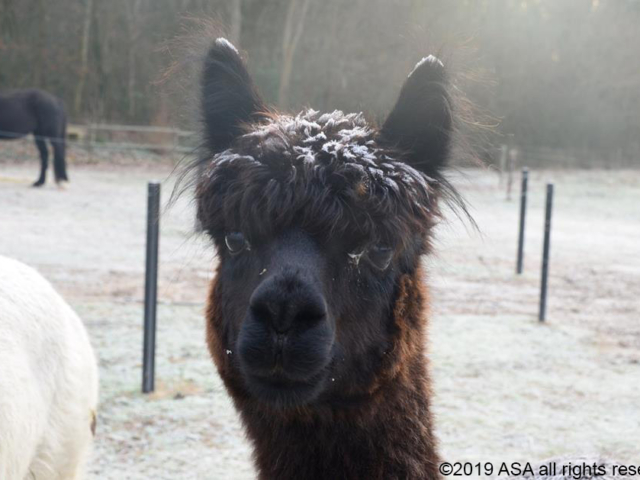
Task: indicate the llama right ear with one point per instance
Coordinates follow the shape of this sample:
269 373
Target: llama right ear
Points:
420 124
229 96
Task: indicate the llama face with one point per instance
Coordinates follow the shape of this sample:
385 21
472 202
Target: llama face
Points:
315 219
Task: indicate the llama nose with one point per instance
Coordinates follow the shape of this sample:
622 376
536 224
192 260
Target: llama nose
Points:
286 303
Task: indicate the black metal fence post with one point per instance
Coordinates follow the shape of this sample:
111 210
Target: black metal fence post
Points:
523 213
545 253
151 288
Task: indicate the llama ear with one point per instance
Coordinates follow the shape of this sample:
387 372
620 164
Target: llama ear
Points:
229 96
420 124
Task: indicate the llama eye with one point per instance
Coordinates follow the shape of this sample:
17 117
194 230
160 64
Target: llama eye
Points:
380 257
236 242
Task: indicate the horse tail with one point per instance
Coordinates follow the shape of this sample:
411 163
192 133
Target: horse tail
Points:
59 148
64 125
63 134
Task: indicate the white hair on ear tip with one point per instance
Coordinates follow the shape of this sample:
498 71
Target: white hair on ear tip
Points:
429 59
223 42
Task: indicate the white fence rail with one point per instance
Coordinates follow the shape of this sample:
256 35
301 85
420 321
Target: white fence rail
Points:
93 137
132 137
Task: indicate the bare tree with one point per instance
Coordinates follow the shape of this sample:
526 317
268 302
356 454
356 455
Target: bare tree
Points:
235 20
41 46
293 28
101 57
133 26
84 55
7 18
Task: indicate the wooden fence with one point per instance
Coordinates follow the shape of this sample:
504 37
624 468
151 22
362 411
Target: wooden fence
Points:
92 138
131 137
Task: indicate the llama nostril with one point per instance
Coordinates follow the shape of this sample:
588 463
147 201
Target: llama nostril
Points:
311 313
273 314
263 313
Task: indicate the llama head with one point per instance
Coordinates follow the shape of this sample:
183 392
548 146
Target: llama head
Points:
319 221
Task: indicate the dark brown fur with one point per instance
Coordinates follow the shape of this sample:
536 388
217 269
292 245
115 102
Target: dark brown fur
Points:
319 342
381 432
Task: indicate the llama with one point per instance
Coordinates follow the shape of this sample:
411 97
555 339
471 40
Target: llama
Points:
316 316
34 111
48 380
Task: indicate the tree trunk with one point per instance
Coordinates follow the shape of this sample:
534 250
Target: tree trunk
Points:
84 56
293 28
235 21
134 36
7 19
103 105
39 67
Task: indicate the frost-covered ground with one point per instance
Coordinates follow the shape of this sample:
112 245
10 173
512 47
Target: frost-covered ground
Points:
507 388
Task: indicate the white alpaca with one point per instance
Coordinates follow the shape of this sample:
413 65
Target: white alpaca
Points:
48 380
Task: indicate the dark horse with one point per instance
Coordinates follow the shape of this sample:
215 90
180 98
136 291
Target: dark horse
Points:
33 111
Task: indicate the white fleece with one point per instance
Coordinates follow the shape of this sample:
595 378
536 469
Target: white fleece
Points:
48 380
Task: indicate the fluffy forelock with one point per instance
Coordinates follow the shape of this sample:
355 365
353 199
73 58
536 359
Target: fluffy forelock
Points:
327 174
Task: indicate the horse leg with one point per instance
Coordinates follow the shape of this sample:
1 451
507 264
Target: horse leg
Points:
44 161
59 166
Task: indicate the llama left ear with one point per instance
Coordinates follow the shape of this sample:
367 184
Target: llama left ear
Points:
229 96
420 124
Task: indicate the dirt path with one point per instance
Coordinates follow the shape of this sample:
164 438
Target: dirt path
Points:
507 388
